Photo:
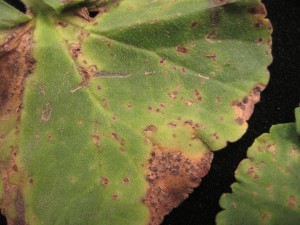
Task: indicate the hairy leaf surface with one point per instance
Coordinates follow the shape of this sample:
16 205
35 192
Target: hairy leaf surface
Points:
119 114
10 17
267 188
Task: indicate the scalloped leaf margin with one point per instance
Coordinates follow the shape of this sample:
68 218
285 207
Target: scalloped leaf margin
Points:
10 17
119 116
267 189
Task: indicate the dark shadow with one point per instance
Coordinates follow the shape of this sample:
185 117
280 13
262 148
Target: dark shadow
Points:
93 14
3 220
18 5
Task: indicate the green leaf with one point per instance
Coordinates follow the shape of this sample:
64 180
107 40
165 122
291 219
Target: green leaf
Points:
10 17
59 5
120 113
297 114
267 189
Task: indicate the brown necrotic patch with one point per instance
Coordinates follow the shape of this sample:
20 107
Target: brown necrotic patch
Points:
182 49
75 50
171 176
244 108
16 63
13 198
86 74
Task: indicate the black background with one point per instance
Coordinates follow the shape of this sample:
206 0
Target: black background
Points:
277 105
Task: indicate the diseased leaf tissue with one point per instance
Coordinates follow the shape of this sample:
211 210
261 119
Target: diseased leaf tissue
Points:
114 119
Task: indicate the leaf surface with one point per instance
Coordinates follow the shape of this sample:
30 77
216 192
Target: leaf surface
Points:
297 115
121 112
59 5
10 17
267 188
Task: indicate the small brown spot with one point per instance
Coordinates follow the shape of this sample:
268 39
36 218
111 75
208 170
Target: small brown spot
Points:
114 197
265 215
96 139
215 135
194 24
126 180
212 56
150 128
172 125
50 138
104 181
189 102
189 122
122 149
61 23
239 120
234 205
259 9
2 137
271 148
162 61
181 49
252 173
104 103
292 201
269 187
15 168
197 95
46 112
258 24
245 100
83 35
79 122
75 50
116 137
109 44
129 106
173 94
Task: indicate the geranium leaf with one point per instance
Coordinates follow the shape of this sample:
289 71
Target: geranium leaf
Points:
119 114
267 189
10 17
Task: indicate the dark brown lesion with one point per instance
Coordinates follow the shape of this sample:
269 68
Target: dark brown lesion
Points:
16 63
245 108
259 14
13 195
171 176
